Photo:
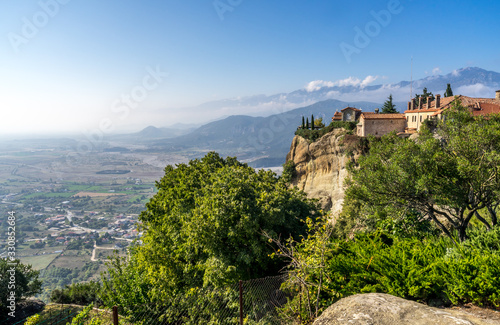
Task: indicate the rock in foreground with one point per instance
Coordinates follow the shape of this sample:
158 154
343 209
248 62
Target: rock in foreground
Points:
383 309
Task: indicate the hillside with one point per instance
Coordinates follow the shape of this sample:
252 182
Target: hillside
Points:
261 141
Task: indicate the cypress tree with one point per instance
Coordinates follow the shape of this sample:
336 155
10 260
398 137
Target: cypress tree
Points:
303 123
448 92
312 122
307 123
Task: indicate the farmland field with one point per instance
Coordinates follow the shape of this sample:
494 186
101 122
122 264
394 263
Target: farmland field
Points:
64 201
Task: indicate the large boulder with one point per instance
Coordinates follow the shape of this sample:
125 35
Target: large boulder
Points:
383 309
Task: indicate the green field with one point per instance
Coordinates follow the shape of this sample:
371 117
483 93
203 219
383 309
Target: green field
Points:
71 262
39 262
49 195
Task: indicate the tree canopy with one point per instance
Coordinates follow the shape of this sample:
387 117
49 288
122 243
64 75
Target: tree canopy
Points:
205 227
448 92
449 179
425 94
389 107
24 283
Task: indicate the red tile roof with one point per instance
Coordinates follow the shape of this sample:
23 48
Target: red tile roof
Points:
337 116
486 109
447 101
353 108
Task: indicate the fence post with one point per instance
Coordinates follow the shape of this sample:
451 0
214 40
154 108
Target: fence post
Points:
115 315
241 302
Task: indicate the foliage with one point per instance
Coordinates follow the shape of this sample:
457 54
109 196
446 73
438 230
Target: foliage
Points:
308 259
84 317
448 92
77 293
204 228
424 96
33 320
389 107
56 277
450 180
318 123
315 123
289 171
433 270
18 278
313 135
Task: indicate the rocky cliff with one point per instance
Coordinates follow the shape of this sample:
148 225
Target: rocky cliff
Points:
321 165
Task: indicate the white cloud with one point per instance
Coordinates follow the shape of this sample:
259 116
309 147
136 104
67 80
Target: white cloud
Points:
368 80
317 85
456 73
477 90
351 81
436 70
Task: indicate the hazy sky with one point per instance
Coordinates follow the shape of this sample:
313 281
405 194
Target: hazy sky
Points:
71 66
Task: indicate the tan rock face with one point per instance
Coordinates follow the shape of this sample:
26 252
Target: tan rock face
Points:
383 309
321 166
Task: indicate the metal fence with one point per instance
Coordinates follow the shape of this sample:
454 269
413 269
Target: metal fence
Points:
255 301
249 302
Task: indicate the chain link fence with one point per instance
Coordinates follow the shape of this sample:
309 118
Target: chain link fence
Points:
247 302
252 302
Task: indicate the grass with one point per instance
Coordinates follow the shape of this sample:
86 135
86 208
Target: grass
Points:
49 195
62 314
71 261
39 262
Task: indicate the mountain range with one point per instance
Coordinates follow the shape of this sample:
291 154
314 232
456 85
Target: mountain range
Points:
474 82
264 140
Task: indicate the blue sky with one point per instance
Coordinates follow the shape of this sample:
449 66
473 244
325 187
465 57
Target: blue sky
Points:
64 64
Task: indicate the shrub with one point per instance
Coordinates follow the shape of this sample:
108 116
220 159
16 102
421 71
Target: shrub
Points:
78 293
289 171
434 269
313 135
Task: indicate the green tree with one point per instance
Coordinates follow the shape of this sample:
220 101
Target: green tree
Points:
205 227
303 123
18 278
449 180
389 107
318 123
312 122
77 293
424 96
307 123
448 92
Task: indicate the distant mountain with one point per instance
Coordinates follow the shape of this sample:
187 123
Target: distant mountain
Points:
474 82
262 141
151 133
261 134
458 79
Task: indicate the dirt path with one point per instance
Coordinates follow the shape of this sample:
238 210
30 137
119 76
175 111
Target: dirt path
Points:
93 259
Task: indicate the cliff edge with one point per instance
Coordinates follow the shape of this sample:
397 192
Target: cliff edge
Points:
321 165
